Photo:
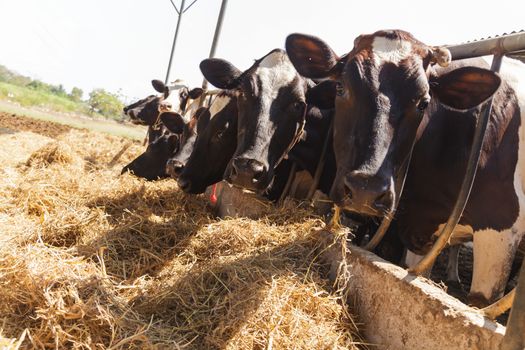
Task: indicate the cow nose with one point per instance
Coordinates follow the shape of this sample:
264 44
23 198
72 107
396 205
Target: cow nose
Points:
247 168
130 113
174 167
368 194
184 184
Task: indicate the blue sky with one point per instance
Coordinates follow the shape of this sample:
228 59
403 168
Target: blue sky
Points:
123 44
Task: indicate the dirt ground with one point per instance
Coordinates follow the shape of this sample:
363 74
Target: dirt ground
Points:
11 122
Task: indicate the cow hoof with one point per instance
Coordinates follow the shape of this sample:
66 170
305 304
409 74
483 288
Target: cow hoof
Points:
477 300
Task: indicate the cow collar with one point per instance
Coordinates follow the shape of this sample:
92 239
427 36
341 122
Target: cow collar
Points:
296 138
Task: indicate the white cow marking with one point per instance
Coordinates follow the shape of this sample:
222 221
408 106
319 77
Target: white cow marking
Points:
275 71
389 50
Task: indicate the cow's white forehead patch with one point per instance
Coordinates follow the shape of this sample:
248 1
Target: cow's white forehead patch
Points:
275 71
390 50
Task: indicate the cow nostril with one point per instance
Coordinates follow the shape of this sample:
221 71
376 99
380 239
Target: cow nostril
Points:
257 176
177 169
384 201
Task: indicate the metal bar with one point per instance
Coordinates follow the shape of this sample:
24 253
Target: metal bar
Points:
321 163
289 182
187 8
174 41
515 334
502 305
216 36
502 45
175 6
466 186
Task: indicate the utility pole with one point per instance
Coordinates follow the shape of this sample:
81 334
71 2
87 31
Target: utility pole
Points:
179 13
218 28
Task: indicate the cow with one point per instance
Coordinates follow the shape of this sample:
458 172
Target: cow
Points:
392 95
147 110
164 126
163 142
223 107
271 98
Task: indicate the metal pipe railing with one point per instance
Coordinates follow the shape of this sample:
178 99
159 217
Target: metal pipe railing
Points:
502 44
466 185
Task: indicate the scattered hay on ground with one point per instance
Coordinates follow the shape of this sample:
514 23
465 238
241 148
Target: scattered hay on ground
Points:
93 260
53 152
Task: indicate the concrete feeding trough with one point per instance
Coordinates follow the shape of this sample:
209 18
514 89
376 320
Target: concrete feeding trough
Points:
403 311
398 310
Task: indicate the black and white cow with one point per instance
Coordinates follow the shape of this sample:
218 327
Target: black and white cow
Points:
271 99
391 94
147 110
223 108
163 141
164 126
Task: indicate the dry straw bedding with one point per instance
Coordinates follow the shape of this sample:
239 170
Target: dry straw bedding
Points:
93 260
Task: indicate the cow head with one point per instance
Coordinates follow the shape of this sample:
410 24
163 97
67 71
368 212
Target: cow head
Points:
213 148
386 90
272 108
163 142
147 110
177 161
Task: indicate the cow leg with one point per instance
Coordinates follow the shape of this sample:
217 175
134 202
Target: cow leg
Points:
493 255
452 266
412 259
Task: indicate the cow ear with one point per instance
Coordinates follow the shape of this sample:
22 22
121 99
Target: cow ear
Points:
173 121
311 56
195 93
322 95
203 117
220 73
465 87
158 85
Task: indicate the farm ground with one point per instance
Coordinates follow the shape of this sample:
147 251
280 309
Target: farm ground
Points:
92 259
105 126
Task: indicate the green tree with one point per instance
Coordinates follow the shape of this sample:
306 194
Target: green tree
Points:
105 103
58 90
76 94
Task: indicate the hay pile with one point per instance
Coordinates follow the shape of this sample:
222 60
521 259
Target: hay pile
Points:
90 259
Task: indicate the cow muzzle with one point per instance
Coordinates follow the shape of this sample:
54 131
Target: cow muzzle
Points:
247 173
368 194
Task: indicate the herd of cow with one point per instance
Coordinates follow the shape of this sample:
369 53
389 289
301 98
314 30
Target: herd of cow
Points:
389 103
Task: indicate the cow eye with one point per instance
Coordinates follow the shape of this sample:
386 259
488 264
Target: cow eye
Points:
299 106
423 103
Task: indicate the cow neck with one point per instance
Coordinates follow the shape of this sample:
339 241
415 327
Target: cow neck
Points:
296 138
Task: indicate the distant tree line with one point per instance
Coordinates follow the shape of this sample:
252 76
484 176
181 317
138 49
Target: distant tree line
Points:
99 101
